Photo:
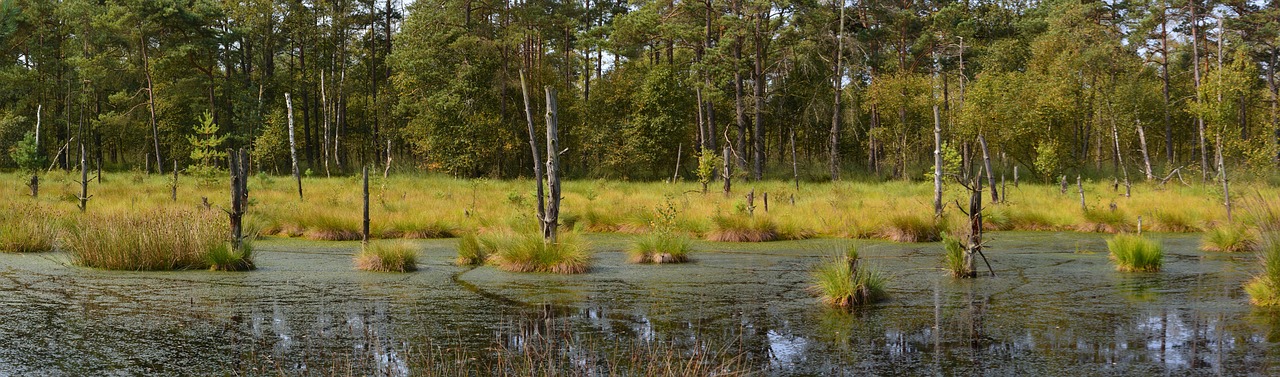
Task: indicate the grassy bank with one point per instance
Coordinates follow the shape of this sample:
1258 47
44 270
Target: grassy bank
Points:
435 206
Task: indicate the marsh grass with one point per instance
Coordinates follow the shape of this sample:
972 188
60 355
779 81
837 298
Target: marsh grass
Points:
844 282
1174 222
1102 221
474 250
1134 253
953 257
911 228
163 239
743 228
1227 238
387 256
226 258
28 228
660 248
1264 288
527 252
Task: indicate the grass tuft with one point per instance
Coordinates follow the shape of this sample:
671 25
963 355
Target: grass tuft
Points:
910 228
474 250
225 258
743 228
1134 253
1227 239
387 256
163 239
954 257
1100 221
28 228
843 282
660 248
529 253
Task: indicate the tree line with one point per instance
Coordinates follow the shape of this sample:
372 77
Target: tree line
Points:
846 88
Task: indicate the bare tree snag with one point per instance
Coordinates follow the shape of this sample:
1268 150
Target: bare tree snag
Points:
1146 158
35 172
324 106
937 162
151 105
174 187
838 80
1015 176
238 168
387 169
537 160
1080 185
986 164
84 180
1226 186
364 224
1124 169
728 174
676 175
795 171
551 222
293 147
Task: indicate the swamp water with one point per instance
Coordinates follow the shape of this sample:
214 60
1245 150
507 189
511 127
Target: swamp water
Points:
1056 307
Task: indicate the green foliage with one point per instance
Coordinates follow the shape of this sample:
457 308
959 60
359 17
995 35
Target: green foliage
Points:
1227 238
708 162
1264 288
206 148
1134 253
951 161
953 257
1049 159
474 250
26 154
530 253
226 258
844 282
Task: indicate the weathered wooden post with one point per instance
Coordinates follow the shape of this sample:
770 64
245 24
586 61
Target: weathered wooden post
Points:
364 226
766 202
293 147
751 202
84 180
795 172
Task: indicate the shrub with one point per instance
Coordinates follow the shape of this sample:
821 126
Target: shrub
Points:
163 239
743 228
529 253
387 256
1134 253
660 248
954 257
28 228
843 282
908 228
1227 238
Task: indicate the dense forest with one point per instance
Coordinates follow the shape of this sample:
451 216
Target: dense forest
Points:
848 89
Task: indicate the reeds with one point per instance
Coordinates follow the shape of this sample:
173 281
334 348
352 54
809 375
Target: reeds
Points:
387 256
530 253
1264 288
1134 253
660 248
1227 239
843 282
161 239
28 228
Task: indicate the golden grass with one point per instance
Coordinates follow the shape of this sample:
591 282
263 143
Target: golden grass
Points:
412 206
387 256
28 228
527 252
162 239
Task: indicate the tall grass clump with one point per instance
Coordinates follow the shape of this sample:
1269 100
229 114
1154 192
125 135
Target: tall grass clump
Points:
387 256
742 228
953 257
530 253
1134 253
911 228
28 228
1102 221
163 239
842 282
1227 239
660 248
474 250
225 257
1264 288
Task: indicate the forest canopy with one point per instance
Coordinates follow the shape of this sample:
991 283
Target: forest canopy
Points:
1056 87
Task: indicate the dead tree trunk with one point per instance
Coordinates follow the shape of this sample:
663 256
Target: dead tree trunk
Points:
293 147
35 172
1226 186
1080 185
324 109
238 162
174 193
986 164
551 222
1124 169
151 105
84 180
795 171
364 225
937 162
728 173
675 176
1146 158
537 160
